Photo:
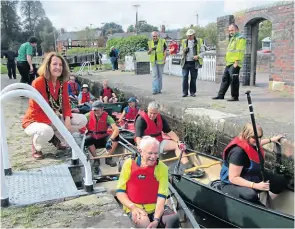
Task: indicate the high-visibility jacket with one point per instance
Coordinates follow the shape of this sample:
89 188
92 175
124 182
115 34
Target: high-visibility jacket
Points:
235 50
159 51
253 172
198 45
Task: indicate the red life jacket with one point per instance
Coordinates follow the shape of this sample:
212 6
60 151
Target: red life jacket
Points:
107 92
74 87
142 186
253 172
153 129
85 97
97 128
131 113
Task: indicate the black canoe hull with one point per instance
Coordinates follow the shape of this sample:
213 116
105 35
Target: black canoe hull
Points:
235 212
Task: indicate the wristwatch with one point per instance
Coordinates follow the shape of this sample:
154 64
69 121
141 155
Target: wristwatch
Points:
157 219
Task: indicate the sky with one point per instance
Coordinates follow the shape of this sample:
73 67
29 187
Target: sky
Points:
76 15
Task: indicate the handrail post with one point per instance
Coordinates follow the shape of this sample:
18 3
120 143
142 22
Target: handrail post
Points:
35 95
4 190
4 147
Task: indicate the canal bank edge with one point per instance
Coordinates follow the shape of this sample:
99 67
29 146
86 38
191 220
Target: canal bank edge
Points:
205 130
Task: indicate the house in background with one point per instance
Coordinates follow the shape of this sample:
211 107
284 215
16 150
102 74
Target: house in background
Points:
77 39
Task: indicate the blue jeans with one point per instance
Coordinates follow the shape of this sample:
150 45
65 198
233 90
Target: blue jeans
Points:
113 60
157 72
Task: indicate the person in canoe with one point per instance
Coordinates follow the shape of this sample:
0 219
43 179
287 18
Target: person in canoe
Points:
52 85
97 135
152 123
130 112
241 174
143 187
107 94
85 96
73 88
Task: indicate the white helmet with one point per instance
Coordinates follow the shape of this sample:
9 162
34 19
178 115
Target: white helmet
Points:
190 32
85 85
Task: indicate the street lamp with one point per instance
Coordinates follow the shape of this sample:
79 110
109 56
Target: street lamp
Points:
136 8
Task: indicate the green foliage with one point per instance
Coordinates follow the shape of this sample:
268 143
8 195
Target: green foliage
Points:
128 45
208 33
265 29
130 29
111 28
9 23
88 36
201 137
143 26
76 51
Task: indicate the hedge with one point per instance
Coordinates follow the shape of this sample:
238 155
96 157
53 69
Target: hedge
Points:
128 45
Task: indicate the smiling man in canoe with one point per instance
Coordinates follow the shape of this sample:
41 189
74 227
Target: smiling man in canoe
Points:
143 187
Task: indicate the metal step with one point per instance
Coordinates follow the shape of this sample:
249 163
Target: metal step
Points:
41 185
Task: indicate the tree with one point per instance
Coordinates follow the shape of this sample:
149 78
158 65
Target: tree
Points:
143 26
265 30
208 33
88 36
211 33
47 38
200 31
33 13
9 23
111 28
130 29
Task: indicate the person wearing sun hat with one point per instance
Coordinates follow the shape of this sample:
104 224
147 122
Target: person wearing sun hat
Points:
85 96
191 61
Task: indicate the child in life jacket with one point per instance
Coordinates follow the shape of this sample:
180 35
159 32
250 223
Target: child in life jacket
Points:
85 96
130 112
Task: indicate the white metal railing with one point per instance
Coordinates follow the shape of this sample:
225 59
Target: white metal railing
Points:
21 89
207 72
88 63
129 63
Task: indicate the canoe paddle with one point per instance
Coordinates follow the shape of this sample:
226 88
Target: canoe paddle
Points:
264 196
261 158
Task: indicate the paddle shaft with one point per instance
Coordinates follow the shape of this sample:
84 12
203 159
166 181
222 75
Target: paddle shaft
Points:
256 134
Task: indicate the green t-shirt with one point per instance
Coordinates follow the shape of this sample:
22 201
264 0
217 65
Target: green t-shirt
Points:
110 120
24 50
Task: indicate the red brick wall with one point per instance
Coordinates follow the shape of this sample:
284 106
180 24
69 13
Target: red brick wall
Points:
282 18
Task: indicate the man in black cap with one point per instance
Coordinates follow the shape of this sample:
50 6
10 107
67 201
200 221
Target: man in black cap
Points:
11 66
97 135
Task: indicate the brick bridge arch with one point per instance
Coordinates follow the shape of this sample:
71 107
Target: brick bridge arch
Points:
281 15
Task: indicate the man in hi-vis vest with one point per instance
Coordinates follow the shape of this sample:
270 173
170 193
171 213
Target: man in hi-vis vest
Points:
234 61
191 61
157 52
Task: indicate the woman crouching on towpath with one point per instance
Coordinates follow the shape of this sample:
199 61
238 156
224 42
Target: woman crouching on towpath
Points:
52 85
